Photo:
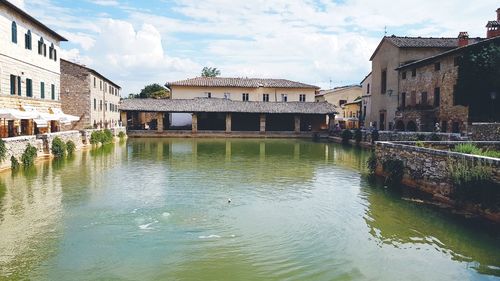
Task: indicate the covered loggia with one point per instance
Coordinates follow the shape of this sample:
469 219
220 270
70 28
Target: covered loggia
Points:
312 122
280 122
211 121
245 122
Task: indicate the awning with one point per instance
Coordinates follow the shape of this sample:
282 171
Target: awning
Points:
63 117
14 114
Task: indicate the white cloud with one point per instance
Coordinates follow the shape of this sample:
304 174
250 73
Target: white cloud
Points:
18 3
105 2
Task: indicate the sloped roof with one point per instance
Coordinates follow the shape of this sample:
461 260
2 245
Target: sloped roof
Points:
92 71
224 105
449 52
337 90
32 19
240 83
493 23
422 42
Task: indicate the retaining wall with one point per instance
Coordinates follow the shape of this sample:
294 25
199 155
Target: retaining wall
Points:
405 136
485 131
74 136
16 146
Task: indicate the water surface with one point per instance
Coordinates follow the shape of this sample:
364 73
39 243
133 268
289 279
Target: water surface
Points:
159 210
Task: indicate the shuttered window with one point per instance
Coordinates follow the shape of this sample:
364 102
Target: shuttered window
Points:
29 87
42 90
53 91
14 32
12 84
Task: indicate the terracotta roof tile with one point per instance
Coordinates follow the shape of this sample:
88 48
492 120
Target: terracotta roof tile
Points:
240 83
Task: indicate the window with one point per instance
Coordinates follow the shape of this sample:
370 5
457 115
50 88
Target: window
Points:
245 97
40 46
53 92
423 98
208 95
437 66
302 98
100 85
342 102
110 89
403 75
27 40
284 98
29 87
42 90
368 88
14 32
403 100
95 104
19 88
95 82
13 79
383 82
414 72
52 52
437 96
265 97
100 105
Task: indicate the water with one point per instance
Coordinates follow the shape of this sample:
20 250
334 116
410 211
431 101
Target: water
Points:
160 210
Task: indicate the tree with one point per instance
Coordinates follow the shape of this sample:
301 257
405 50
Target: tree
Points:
154 91
210 72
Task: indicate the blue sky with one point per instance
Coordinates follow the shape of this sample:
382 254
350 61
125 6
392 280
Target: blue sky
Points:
321 42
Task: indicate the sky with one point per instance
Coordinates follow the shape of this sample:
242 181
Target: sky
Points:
327 43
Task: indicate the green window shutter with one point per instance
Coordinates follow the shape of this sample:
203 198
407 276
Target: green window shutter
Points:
29 87
42 90
53 91
14 32
12 84
19 88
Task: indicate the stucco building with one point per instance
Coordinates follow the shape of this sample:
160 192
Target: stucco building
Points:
427 92
232 105
366 103
338 97
391 53
29 75
90 96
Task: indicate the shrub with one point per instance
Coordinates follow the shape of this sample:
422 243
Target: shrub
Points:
419 144
346 136
121 135
472 182
375 136
434 137
358 136
492 153
103 137
371 163
3 150
29 156
70 147
108 137
14 164
468 148
394 170
58 148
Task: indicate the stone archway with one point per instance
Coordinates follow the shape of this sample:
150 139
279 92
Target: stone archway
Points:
411 126
400 125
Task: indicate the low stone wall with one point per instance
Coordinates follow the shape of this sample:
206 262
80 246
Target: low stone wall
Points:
405 136
485 131
74 136
429 169
449 145
86 134
16 146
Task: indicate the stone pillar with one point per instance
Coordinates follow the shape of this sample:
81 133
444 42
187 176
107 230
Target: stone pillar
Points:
262 123
142 119
297 123
194 124
159 118
228 122
123 118
331 121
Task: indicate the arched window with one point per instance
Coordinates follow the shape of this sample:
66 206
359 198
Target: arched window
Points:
27 40
52 52
40 46
14 32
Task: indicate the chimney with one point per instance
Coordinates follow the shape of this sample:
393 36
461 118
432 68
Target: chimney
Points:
463 39
493 27
498 14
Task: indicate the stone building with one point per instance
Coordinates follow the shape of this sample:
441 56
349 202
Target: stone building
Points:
427 90
338 97
391 53
366 103
232 106
352 117
90 96
29 75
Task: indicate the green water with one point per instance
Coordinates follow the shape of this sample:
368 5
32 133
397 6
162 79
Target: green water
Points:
158 210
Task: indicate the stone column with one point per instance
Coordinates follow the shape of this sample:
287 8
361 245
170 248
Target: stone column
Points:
142 118
194 124
123 118
262 123
159 118
228 122
297 123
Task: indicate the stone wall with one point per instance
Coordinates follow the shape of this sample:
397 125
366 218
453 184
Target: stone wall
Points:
16 146
74 136
405 136
429 169
485 131
75 93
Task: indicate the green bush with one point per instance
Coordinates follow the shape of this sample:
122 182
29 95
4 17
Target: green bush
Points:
108 137
371 163
104 137
472 183
492 153
14 164
121 135
394 170
29 155
358 136
375 136
419 144
3 150
58 148
346 136
70 147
